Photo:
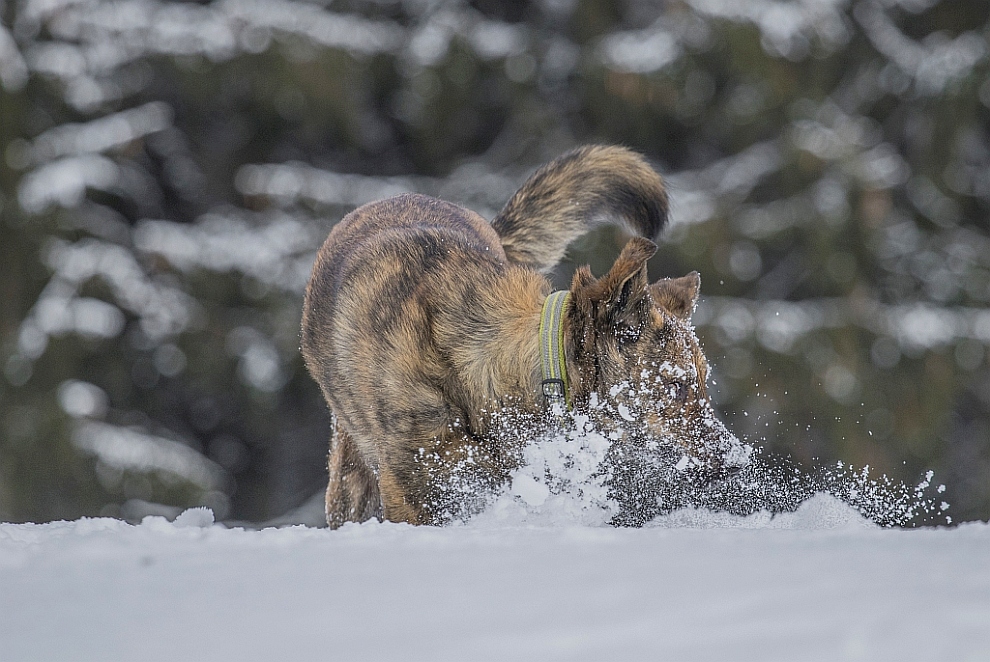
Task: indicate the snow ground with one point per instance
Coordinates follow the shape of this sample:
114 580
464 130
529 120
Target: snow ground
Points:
818 584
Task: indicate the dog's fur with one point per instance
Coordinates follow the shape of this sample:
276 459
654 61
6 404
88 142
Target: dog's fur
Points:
421 321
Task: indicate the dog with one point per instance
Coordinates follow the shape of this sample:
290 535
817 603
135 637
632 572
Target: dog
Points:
422 325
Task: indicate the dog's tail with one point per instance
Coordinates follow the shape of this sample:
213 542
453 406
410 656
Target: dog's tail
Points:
584 188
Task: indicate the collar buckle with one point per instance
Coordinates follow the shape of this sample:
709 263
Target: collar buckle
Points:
553 390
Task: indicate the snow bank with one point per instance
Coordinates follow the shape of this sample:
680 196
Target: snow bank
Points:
821 583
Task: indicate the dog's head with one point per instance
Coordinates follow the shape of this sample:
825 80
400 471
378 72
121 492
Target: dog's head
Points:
638 364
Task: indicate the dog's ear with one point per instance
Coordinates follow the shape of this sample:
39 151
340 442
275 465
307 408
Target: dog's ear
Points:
677 296
625 284
620 292
582 279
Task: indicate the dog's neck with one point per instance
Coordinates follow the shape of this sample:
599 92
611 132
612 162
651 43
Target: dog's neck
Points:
505 366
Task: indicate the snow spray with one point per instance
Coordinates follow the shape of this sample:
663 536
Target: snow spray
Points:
583 474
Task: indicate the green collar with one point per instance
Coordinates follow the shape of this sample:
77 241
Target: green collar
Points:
554 383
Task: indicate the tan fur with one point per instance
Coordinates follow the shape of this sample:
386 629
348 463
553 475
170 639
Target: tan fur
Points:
421 324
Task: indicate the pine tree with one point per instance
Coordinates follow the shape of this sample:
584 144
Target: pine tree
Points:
170 169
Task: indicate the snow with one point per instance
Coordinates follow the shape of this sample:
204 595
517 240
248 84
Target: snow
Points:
818 584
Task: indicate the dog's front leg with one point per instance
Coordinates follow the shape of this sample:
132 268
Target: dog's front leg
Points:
440 478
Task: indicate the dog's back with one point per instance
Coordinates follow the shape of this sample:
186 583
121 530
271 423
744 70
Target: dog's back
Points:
376 263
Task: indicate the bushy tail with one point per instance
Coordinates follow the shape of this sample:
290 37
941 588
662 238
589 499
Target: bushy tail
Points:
584 188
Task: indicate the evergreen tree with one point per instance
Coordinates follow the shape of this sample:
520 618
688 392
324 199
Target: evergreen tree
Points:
169 170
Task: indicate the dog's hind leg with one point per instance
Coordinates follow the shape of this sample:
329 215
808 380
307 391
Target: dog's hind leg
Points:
352 493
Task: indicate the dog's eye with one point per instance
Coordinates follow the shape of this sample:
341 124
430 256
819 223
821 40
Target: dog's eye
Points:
679 392
626 335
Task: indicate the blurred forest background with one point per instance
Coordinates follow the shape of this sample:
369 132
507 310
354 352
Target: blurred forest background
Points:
169 170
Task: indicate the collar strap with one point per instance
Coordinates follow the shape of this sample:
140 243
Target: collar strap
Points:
554 383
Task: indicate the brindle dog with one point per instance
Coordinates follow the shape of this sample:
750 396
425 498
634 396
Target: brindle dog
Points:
421 324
